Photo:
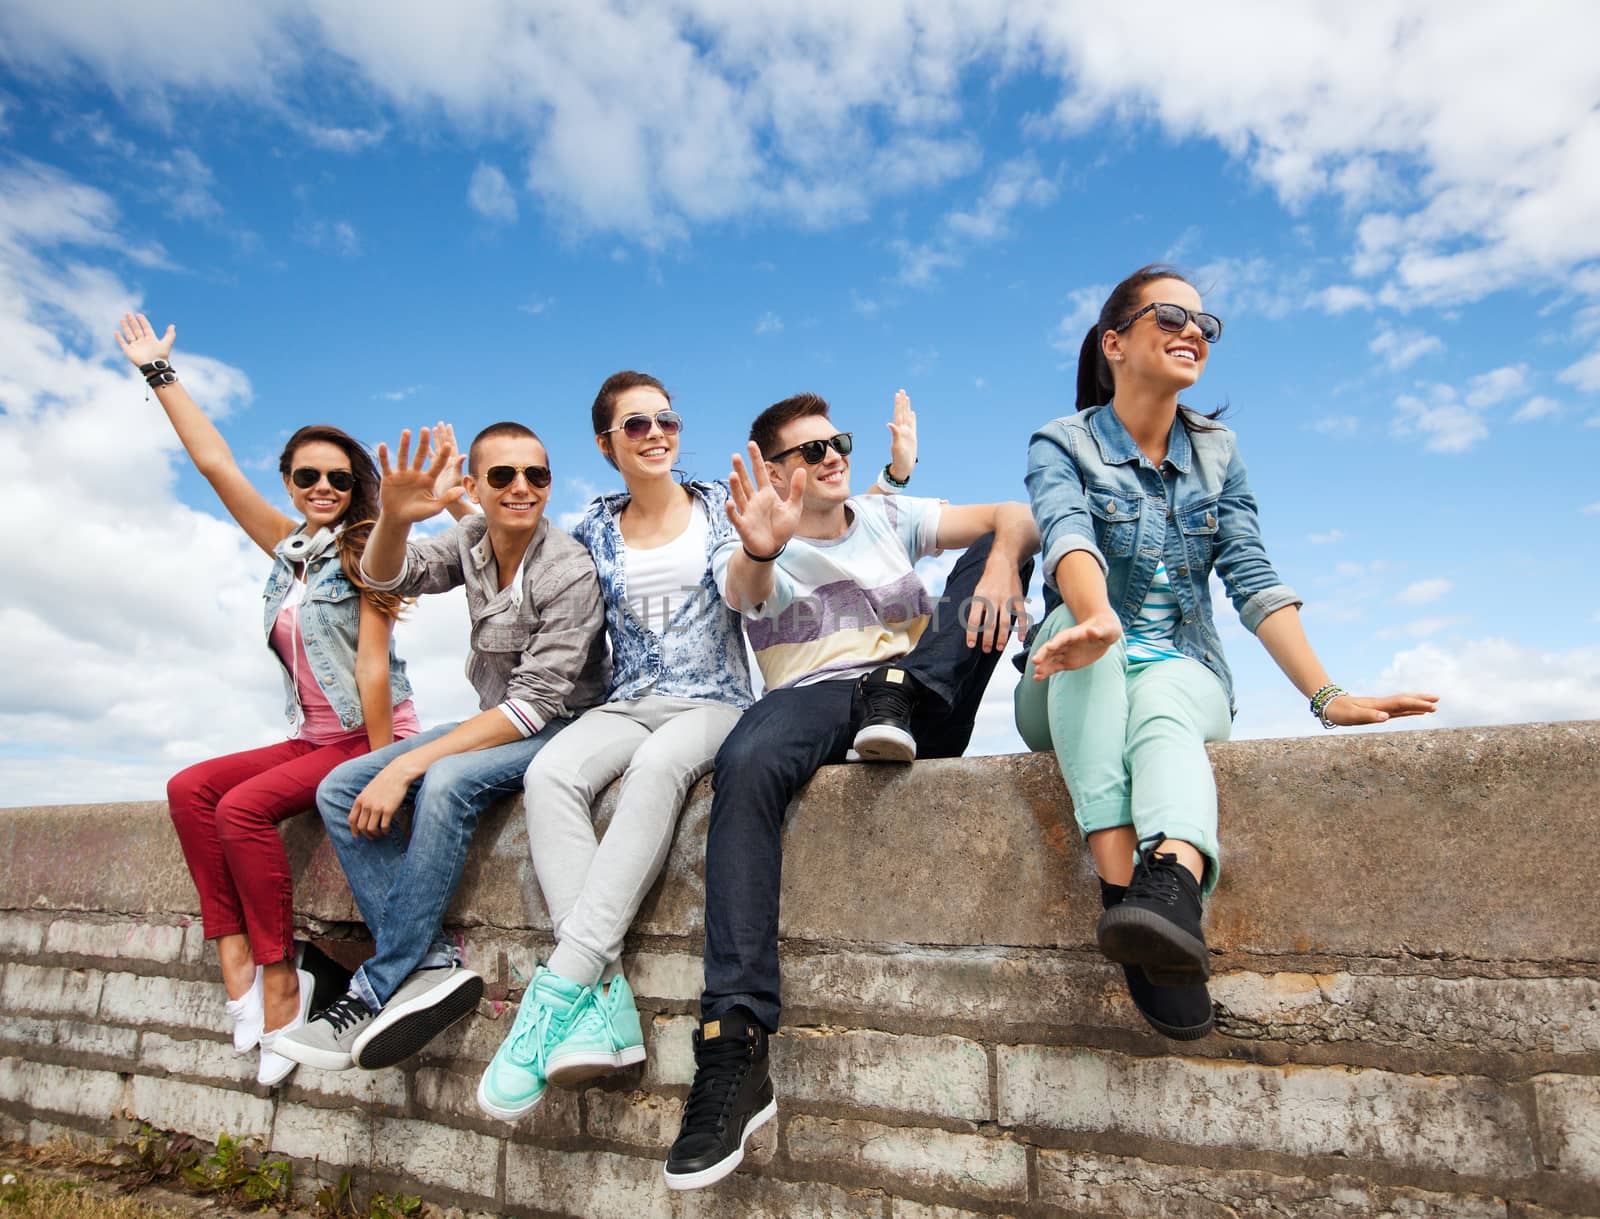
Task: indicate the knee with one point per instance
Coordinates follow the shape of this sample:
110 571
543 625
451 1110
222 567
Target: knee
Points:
183 792
549 780
238 821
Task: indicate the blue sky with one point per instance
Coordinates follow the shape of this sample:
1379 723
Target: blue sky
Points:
382 216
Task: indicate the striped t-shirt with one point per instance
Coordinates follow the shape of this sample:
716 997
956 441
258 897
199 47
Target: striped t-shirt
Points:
843 606
1154 633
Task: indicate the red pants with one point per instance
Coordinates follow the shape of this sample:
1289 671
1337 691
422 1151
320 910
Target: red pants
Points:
226 811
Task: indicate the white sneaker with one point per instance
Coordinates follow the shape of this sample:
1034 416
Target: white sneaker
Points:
248 1016
275 1068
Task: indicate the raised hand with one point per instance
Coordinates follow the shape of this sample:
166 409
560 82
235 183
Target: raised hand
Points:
1347 710
764 520
444 435
138 340
1078 646
407 491
903 433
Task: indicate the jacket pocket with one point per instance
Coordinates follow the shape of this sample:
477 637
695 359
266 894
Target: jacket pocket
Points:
1199 525
1116 520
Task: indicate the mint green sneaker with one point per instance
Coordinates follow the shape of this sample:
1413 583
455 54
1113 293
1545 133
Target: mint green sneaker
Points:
604 1036
513 1082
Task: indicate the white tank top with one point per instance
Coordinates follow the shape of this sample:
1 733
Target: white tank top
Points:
661 578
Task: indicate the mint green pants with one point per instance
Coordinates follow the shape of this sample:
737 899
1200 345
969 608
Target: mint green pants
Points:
1130 740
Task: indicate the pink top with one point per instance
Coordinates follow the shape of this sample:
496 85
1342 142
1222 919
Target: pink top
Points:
320 723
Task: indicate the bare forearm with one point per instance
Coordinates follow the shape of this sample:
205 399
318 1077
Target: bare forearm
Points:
1015 534
483 731
1282 634
385 555
1082 585
749 583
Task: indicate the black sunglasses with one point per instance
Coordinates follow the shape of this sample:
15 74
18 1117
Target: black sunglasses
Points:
1174 318
637 427
501 477
813 451
305 477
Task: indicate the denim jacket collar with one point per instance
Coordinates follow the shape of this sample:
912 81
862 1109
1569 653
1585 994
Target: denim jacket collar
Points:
1117 447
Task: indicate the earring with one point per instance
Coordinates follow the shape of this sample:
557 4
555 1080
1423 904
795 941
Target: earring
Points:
1117 358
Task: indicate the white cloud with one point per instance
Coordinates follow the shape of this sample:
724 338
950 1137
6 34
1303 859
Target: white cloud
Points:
1591 509
1325 539
1017 183
343 139
1445 425
1423 591
340 236
1420 628
1493 388
1336 425
1401 348
1584 373
1341 298
538 305
397 395
1537 407
1083 311
1498 681
769 323
491 196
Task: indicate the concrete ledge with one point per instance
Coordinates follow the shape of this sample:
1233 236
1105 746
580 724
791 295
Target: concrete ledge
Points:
1445 844
1408 981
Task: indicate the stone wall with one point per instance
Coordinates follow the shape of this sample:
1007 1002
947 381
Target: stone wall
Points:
1409 929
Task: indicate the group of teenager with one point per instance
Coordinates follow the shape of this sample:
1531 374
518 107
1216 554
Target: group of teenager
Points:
618 652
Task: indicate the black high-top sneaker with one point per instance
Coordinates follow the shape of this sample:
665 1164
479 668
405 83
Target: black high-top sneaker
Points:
1184 1013
886 698
730 1100
1157 925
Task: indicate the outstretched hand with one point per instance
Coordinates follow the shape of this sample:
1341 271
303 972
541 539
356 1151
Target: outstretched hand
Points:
1347 710
408 490
138 340
763 519
444 436
903 433
1078 646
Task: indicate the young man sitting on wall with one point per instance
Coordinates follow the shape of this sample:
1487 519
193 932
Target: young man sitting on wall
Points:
859 662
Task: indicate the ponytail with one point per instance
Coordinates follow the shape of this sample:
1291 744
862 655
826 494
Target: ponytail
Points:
1094 380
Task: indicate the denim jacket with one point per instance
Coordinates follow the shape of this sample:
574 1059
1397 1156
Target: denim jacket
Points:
702 653
330 617
1093 489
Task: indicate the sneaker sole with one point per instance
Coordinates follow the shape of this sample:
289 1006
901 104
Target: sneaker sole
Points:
572 1069
500 1111
884 743
1170 955
710 1176
384 1045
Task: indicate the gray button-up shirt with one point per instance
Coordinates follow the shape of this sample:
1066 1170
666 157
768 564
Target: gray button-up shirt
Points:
538 645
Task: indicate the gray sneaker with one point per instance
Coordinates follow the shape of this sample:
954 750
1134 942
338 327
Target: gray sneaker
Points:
427 1003
327 1041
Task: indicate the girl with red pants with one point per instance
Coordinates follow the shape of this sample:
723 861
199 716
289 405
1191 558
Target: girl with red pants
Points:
347 693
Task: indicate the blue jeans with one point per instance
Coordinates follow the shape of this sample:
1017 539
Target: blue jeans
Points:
403 887
771 753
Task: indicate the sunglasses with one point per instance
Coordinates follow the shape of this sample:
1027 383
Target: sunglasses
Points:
813 451
637 427
501 477
305 477
1173 318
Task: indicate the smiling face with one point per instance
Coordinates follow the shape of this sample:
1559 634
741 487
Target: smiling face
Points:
518 506
1154 357
319 503
650 457
828 482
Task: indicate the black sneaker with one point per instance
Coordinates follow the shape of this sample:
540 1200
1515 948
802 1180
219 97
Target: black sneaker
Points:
1157 925
1183 1013
731 1099
886 698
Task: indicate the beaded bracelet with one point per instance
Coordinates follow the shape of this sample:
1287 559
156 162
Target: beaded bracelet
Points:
1320 701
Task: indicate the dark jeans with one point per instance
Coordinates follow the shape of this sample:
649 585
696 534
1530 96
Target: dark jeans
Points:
776 747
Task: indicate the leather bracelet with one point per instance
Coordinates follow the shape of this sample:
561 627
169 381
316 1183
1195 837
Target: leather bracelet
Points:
157 379
762 558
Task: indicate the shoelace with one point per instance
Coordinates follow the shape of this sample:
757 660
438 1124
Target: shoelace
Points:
344 1012
889 702
1155 876
530 1034
719 1068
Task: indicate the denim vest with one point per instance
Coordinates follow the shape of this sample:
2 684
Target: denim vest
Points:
330 616
1093 489
701 654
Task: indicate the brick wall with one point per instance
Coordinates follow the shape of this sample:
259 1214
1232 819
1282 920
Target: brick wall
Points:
1409 978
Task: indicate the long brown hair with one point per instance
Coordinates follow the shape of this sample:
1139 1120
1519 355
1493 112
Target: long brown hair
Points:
359 516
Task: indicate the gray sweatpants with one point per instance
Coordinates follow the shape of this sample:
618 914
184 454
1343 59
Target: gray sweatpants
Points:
659 746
